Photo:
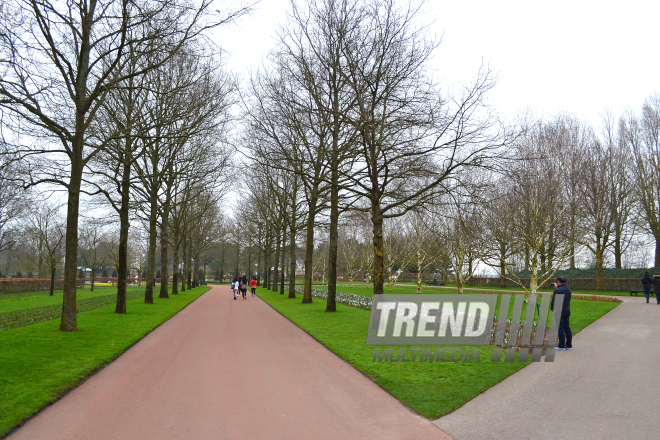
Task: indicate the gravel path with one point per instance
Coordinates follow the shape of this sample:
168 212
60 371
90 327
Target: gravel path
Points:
606 387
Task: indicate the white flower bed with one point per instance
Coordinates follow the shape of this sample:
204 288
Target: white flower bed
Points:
351 299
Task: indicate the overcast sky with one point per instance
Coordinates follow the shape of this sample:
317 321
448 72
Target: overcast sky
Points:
573 56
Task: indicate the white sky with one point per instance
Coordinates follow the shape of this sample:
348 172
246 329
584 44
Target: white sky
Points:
574 56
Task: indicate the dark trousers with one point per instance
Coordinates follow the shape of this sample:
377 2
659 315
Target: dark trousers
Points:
254 290
244 292
657 297
647 292
565 335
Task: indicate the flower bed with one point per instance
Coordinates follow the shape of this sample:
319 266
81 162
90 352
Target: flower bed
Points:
595 298
351 299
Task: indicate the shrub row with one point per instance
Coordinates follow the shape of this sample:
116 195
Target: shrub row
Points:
591 273
576 284
22 285
20 318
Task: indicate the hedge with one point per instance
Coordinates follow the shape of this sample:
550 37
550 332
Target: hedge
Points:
576 284
591 273
22 285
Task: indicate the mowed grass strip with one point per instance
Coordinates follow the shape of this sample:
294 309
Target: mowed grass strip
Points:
431 389
38 363
20 318
20 301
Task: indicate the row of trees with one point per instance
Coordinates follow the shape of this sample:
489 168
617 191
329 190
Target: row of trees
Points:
346 119
565 191
349 118
350 141
121 100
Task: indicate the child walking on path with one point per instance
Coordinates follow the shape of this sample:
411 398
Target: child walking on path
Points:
235 286
253 286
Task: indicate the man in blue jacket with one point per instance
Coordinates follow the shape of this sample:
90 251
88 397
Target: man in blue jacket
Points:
565 335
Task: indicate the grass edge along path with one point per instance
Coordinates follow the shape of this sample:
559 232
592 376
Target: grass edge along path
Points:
40 364
430 389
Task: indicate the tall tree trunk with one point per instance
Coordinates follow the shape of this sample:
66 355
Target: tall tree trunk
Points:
599 270
238 257
151 256
222 263
277 261
92 276
331 304
268 259
189 270
617 250
122 269
502 264
69 322
283 276
309 248
175 267
185 259
52 281
260 271
292 256
195 281
164 237
379 268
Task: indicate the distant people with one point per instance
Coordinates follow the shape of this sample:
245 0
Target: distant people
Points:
565 335
647 282
253 286
244 286
656 286
235 285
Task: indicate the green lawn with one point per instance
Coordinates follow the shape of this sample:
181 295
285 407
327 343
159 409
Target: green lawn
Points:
431 389
21 301
38 363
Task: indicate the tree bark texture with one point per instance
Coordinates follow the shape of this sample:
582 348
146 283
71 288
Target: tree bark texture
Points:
151 256
379 262
277 262
164 237
69 321
331 304
309 249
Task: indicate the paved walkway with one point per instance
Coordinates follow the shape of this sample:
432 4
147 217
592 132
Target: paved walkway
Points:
229 369
606 387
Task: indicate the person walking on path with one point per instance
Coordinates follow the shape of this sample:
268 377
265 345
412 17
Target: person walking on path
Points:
647 282
656 286
235 287
253 286
565 335
244 286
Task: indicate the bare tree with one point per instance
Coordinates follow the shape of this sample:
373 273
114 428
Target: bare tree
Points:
541 230
412 141
350 252
95 247
303 110
49 227
10 204
642 136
